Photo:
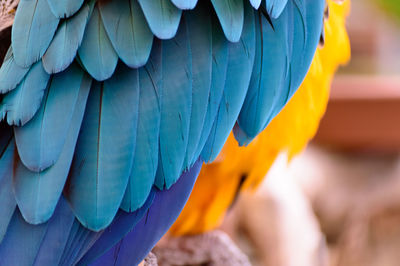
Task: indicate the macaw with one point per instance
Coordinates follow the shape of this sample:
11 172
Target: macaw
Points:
240 168
109 109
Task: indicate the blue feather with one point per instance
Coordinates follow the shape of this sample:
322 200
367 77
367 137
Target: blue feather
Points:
7 201
163 17
218 78
105 149
176 105
66 42
255 3
128 30
33 29
10 73
185 4
145 162
161 215
64 8
96 52
37 193
275 7
56 236
199 24
41 141
230 14
21 104
240 65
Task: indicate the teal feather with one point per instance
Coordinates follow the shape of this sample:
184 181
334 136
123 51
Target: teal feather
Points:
21 104
240 65
62 50
163 17
37 193
255 3
33 29
275 7
230 14
105 149
145 162
96 52
200 28
176 105
64 8
128 31
41 141
185 4
10 73
7 201
218 78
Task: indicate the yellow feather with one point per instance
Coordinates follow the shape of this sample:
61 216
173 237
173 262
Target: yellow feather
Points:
290 131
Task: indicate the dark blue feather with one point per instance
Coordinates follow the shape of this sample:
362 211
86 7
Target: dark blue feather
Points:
128 30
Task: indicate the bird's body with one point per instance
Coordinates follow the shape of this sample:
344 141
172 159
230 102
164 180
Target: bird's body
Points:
240 168
109 109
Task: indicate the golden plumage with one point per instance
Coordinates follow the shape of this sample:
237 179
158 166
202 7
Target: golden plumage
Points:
239 168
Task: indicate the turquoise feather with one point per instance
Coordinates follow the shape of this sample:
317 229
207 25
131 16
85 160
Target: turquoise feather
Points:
96 52
105 149
185 4
176 105
240 65
10 73
7 199
200 29
275 7
255 3
21 104
62 50
230 14
163 17
64 8
218 78
41 141
145 162
37 193
32 20
128 31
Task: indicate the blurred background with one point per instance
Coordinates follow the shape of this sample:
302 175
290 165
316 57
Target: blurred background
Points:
338 203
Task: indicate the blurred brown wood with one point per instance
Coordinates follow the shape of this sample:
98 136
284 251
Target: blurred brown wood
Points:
363 114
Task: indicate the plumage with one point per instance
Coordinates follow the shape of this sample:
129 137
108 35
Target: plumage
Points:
22 103
243 168
171 100
33 19
162 16
65 44
105 149
231 17
64 9
96 51
128 31
10 73
37 191
275 7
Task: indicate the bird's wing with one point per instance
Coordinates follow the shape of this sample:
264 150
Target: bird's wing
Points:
240 168
109 101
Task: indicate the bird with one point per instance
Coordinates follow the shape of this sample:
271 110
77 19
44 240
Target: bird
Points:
109 108
243 168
